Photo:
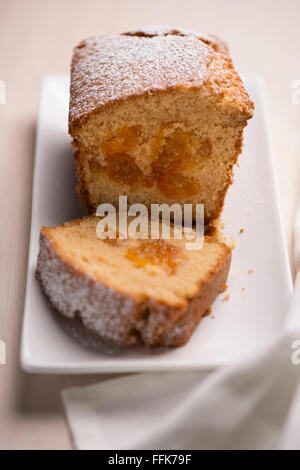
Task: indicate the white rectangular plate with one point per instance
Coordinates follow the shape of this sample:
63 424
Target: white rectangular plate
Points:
255 309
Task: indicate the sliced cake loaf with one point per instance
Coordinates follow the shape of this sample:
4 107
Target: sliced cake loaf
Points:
157 114
130 291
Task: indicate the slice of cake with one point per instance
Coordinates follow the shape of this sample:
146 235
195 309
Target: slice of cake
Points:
130 291
157 114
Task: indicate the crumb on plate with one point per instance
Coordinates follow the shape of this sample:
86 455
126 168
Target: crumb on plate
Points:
232 244
208 312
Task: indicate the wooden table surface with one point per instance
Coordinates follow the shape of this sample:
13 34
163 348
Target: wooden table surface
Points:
36 38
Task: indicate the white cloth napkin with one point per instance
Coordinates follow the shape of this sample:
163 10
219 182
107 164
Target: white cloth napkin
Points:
252 404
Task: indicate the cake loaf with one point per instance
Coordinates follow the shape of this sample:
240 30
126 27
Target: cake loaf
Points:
157 114
130 291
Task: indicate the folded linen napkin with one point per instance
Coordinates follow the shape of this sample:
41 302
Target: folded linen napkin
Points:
253 404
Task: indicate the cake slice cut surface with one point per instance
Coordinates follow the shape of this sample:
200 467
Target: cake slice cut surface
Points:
157 114
151 292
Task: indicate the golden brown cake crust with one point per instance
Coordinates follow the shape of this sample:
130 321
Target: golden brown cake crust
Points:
161 30
150 60
112 314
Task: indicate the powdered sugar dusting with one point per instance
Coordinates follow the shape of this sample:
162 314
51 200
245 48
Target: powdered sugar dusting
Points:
162 30
116 316
101 309
116 67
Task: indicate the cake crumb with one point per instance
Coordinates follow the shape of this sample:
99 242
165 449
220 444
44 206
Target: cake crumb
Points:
232 244
250 271
214 230
225 287
226 297
243 289
208 312
242 230
212 317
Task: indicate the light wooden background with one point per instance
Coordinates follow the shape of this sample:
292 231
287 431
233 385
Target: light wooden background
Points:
36 38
